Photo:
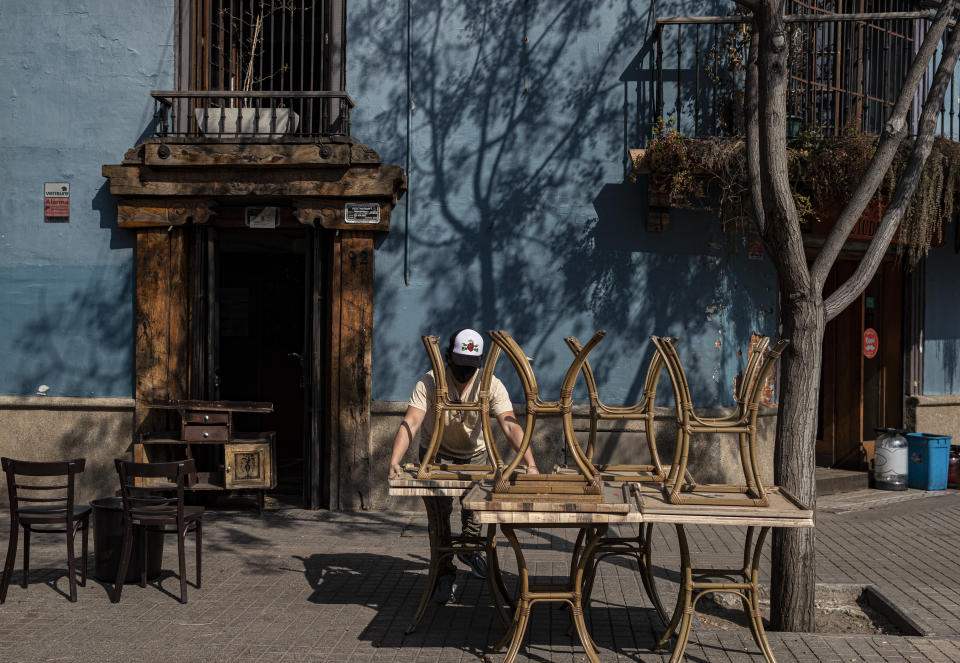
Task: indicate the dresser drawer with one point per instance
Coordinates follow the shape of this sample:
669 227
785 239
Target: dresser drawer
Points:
206 417
206 433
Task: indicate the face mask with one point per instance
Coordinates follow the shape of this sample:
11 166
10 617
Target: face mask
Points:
462 373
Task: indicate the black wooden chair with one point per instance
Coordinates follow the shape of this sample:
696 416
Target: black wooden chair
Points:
168 515
44 504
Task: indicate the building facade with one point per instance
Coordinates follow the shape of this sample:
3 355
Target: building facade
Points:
202 260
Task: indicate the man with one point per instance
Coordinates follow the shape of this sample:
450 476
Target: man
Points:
462 440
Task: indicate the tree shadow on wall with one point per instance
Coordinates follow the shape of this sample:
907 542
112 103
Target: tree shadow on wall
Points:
78 343
519 124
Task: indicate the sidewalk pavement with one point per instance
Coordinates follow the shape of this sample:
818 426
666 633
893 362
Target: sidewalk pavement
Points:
296 585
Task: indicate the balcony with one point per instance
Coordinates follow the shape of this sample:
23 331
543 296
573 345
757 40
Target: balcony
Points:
251 116
846 70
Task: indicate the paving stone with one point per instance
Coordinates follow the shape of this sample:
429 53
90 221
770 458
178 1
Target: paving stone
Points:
297 585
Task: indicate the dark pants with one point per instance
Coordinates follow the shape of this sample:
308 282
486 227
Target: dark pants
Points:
443 506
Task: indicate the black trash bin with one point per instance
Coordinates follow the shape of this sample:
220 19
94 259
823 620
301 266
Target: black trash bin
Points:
108 542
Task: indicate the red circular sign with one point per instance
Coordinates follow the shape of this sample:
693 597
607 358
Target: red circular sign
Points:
871 343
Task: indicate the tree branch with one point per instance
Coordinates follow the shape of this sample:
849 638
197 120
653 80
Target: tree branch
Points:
752 146
893 134
781 229
851 289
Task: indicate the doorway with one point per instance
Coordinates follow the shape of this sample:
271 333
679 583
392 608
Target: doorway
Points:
862 380
259 338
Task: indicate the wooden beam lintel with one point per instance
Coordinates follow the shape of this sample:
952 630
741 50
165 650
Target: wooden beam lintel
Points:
382 181
159 212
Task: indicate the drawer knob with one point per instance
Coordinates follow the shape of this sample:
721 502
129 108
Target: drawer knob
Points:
206 434
206 417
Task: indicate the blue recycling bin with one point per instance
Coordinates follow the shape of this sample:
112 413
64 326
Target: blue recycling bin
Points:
929 461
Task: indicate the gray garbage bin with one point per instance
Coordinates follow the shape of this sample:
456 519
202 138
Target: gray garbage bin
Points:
108 542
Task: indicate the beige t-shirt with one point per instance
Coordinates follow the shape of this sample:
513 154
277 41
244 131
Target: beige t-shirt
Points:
462 431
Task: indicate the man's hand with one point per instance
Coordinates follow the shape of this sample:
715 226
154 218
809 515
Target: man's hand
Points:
395 470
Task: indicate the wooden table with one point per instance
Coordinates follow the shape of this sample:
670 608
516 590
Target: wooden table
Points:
642 504
442 548
783 510
591 518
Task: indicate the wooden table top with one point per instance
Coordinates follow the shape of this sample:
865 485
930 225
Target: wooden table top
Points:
617 506
784 510
408 485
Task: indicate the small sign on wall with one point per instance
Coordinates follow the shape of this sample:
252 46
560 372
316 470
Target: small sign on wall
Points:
871 343
362 213
56 201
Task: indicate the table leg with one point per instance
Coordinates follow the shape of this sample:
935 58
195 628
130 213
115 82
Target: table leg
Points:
442 548
434 573
495 584
696 583
641 549
570 593
645 562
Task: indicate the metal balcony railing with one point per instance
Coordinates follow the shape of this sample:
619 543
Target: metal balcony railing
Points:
846 70
250 115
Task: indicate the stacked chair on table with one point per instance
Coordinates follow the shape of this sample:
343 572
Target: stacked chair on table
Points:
742 422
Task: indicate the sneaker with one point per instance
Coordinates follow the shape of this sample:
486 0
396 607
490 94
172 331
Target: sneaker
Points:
444 593
476 562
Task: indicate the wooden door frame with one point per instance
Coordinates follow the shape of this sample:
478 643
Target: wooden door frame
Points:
163 197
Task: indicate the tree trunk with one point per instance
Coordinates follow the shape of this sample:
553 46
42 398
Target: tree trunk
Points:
792 588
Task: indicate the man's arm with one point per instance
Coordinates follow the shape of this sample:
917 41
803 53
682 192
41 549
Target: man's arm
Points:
405 434
514 432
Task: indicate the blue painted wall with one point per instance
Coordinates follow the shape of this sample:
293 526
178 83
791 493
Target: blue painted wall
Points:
941 347
76 84
513 120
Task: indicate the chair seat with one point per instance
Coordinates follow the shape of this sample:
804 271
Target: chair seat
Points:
49 514
165 514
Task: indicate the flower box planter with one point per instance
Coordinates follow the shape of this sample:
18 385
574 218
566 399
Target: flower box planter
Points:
236 122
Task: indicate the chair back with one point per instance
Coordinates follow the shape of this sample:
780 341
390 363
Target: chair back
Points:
536 406
42 487
644 409
443 404
175 472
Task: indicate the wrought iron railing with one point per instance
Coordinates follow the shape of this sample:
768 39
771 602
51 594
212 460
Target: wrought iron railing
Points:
251 115
846 70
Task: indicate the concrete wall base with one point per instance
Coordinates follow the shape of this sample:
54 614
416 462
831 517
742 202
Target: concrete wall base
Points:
50 428
938 415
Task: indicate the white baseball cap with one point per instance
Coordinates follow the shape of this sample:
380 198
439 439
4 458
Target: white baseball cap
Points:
466 348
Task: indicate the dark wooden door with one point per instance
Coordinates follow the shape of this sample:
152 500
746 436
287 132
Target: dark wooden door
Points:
859 392
253 316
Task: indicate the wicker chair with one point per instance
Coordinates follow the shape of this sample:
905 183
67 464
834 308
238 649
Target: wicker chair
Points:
742 422
643 410
587 481
429 469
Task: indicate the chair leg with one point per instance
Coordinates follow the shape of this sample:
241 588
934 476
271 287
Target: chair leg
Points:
26 556
71 562
83 546
143 560
182 557
199 541
10 559
124 562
